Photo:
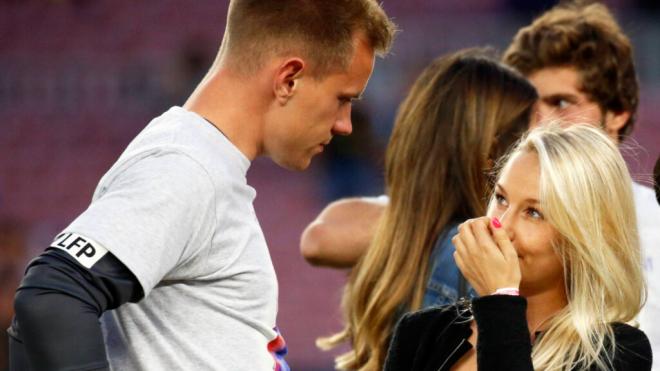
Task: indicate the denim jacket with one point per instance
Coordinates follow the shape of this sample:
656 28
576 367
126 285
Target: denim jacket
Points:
442 287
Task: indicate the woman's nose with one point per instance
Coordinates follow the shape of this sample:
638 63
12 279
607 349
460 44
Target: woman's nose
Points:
507 222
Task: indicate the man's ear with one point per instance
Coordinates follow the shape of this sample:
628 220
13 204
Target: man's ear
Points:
614 121
286 79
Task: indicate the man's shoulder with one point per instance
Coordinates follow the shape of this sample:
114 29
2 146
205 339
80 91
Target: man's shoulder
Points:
645 200
180 133
642 190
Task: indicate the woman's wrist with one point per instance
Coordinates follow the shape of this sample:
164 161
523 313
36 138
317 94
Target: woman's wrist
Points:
513 291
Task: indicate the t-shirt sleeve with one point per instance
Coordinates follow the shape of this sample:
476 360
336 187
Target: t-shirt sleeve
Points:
153 215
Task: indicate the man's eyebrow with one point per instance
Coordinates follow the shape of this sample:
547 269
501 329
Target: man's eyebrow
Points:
565 96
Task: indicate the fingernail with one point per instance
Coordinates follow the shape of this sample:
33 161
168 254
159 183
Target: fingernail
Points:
496 223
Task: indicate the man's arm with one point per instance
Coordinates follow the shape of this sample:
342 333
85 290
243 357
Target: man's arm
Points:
148 217
58 306
342 232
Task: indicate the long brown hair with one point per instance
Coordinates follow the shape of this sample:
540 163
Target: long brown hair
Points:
463 111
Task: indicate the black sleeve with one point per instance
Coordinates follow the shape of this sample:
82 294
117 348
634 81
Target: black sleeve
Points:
503 342
58 305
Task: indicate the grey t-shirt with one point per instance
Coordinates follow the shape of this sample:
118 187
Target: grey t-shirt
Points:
177 211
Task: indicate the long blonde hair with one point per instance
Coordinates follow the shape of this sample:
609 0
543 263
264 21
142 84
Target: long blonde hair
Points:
586 195
444 135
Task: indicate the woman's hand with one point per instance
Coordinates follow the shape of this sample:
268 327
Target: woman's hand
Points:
486 256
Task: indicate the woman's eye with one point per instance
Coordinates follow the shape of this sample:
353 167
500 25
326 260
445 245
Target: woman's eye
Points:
500 200
535 214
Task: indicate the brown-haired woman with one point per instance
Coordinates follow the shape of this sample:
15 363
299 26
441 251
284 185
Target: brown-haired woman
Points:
464 111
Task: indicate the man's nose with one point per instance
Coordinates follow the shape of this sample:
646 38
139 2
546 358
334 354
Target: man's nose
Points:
343 124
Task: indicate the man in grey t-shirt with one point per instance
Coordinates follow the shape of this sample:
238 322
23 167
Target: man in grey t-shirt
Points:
169 252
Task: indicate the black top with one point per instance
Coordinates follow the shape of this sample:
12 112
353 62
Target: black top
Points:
436 338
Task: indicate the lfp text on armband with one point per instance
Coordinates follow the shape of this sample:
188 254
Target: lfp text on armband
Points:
85 250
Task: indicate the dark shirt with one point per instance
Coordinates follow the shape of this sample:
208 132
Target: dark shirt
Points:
436 338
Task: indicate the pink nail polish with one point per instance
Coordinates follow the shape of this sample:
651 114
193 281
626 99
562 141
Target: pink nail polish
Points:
496 223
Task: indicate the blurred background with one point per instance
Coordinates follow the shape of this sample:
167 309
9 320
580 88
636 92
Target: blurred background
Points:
80 78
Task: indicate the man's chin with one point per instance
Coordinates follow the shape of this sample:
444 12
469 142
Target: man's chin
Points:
294 164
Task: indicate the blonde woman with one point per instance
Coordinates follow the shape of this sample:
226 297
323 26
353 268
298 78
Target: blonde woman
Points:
556 262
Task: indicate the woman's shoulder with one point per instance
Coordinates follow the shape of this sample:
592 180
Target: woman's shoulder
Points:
633 349
418 332
437 316
625 332
424 335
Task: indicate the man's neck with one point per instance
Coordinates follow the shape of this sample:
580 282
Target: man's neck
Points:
233 106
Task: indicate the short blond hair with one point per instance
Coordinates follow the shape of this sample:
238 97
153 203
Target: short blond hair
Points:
319 30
